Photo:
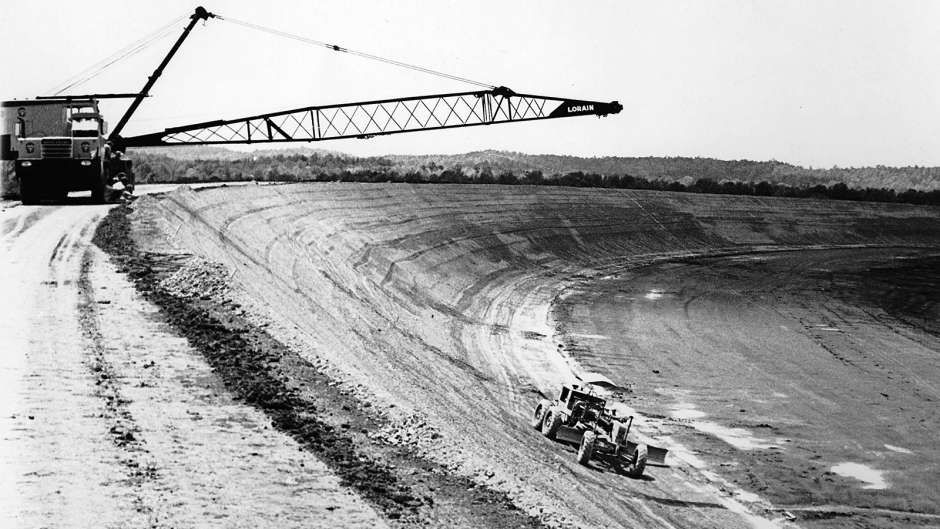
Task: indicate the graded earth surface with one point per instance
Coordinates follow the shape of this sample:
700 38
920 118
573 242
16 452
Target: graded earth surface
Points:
784 351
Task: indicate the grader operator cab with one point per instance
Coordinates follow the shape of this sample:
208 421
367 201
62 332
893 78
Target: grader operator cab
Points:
581 418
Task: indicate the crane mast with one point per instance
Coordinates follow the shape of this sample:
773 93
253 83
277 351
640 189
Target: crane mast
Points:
199 14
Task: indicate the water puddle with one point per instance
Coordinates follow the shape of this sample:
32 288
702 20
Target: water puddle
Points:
654 294
687 414
589 336
739 438
825 327
873 478
898 449
748 497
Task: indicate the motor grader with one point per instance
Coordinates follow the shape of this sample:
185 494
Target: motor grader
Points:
582 418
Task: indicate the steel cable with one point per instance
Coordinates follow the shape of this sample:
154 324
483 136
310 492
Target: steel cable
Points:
363 54
123 53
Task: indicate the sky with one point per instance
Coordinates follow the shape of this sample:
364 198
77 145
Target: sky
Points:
817 83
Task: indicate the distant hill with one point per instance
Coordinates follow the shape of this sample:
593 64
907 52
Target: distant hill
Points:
686 170
306 163
212 152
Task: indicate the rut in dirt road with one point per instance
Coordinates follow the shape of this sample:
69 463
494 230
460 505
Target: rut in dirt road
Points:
110 420
125 434
54 434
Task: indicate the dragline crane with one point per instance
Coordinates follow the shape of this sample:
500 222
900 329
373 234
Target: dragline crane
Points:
58 144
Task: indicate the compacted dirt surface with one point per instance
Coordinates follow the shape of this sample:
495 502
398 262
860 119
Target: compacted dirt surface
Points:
370 354
445 309
813 374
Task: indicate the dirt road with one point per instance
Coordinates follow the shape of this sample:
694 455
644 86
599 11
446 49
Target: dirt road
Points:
109 419
437 299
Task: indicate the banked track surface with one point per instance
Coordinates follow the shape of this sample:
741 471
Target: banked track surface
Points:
437 298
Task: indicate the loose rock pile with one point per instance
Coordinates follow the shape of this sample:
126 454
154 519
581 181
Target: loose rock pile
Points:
413 431
198 278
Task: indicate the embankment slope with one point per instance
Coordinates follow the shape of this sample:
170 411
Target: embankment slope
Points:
437 299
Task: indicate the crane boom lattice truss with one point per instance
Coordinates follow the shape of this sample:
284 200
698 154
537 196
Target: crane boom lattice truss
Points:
375 118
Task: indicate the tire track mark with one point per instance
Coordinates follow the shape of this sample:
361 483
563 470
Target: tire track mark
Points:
123 430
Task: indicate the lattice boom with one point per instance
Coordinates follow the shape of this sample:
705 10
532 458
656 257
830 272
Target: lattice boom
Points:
367 119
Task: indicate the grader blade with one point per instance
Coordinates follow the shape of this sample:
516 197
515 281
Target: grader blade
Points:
655 455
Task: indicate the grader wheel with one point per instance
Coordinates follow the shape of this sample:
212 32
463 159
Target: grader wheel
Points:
550 424
639 462
586 450
539 415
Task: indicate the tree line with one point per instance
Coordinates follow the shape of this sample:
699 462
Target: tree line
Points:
158 168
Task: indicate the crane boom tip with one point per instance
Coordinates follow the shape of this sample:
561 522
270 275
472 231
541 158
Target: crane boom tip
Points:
201 13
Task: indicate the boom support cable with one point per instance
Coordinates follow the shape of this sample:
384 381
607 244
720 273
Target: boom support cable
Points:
337 48
133 48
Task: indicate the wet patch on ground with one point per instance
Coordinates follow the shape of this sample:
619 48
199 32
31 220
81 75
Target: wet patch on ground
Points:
306 404
873 478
